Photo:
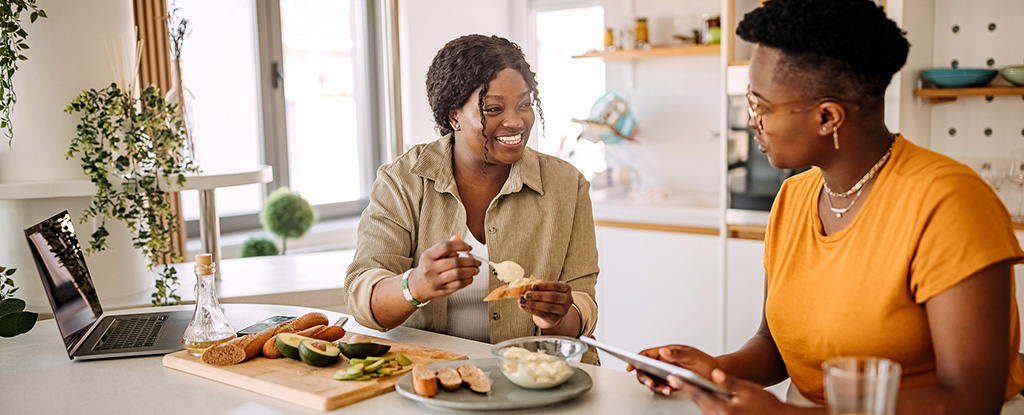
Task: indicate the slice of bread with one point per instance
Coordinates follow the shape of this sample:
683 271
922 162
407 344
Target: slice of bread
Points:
475 378
424 381
514 290
450 379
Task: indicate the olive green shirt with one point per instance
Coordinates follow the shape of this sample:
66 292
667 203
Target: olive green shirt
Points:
541 219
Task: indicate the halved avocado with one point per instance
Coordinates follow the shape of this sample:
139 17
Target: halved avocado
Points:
288 344
318 353
362 350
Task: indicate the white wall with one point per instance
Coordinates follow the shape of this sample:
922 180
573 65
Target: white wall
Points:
424 27
676 101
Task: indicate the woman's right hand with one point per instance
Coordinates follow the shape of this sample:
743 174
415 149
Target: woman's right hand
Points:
442 271
683 356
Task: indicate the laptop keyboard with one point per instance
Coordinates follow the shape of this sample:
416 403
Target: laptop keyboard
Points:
130 333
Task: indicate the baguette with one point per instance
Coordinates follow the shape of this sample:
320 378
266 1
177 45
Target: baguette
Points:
450 379
514 290
475 378
319 332
424 381
249 346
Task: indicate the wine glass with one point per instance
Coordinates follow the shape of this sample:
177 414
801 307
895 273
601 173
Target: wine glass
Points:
988 169
1015 174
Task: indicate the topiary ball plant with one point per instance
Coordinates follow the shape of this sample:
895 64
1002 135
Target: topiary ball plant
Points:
258 246
287 215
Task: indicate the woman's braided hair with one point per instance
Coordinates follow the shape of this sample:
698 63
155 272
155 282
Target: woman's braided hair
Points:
844 49
467 63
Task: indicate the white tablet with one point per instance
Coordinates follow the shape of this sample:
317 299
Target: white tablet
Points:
658 368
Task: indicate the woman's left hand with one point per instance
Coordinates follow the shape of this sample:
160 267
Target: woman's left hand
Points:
548 301
748 397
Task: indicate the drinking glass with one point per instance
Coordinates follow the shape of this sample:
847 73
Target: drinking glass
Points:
861 385
1015 174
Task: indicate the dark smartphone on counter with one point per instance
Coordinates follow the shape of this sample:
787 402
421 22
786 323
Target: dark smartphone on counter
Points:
264 324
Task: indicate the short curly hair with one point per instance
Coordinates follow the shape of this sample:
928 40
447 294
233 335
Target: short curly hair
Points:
467 63
845 49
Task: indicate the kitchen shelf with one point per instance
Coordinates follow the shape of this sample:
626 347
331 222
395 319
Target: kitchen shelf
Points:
653 52
939 95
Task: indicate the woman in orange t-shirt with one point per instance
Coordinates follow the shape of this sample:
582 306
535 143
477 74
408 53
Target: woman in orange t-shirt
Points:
883 249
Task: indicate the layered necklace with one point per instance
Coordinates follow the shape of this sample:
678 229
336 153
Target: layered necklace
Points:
857 188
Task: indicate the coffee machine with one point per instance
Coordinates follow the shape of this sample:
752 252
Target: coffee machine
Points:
752 181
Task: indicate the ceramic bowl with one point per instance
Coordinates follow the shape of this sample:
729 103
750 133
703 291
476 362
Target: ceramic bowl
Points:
539 362
1014 74
959 78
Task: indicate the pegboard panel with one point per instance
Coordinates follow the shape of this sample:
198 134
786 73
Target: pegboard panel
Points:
978 34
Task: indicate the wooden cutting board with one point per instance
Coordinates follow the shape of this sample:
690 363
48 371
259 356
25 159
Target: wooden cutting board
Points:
313 387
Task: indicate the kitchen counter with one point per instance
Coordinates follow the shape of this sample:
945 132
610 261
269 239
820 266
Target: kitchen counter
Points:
39 378
688 210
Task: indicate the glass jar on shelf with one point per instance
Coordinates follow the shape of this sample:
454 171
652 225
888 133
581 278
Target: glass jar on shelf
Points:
640 32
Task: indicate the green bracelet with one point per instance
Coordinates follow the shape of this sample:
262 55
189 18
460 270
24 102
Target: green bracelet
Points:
408 294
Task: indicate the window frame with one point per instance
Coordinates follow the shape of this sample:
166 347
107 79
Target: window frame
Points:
273 128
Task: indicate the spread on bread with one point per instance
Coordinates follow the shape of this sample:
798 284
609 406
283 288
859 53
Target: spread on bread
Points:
512 274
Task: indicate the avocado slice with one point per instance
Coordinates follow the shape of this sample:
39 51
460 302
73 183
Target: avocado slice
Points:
362 350
318 353
288 344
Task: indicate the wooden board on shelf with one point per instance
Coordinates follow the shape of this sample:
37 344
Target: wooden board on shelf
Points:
940 95
653 52
299 383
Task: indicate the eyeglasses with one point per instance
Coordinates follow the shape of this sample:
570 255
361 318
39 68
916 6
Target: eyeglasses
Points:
758 112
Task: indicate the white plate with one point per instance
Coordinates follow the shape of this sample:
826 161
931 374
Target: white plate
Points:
504 394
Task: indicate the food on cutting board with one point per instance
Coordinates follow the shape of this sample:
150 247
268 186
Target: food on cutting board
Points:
318 353
362 350
425 381
271 349
288 344
372 367
251 345
512 274
534 370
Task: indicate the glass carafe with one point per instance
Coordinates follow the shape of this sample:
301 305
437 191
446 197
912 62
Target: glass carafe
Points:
208 326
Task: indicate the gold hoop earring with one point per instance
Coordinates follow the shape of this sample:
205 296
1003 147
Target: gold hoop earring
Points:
835 137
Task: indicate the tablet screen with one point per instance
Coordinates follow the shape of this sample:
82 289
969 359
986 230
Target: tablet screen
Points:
658 368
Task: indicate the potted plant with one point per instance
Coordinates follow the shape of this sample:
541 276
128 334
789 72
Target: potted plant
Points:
133 149
14 320
287 215
11 49
258 246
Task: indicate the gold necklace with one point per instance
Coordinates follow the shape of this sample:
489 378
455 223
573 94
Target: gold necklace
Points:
841 211
860 183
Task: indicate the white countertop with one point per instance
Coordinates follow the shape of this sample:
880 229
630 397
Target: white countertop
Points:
84 187
695 210
39 378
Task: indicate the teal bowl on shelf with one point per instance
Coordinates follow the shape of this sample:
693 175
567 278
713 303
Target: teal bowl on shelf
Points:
960 77
1014 74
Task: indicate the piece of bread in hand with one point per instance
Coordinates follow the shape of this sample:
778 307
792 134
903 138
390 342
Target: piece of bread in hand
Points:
450 379
513 290
424 381
475 378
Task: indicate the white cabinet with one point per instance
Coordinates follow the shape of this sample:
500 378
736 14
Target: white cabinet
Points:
658 288
744 288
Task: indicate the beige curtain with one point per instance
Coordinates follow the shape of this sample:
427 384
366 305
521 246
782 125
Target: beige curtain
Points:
155 68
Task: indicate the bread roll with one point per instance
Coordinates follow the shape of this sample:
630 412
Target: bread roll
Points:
449 378
475 378
511 291
249 346
424 381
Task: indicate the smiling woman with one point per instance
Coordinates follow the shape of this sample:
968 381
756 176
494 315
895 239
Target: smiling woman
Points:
480 188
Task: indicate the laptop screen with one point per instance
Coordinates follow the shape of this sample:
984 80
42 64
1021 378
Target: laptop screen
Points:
66 280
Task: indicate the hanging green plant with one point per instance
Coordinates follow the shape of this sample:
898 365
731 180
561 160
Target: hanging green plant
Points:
11 48
133 150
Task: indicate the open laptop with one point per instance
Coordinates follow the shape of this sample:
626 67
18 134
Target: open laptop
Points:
88 332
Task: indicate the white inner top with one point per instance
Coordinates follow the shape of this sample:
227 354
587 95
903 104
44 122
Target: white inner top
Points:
467 311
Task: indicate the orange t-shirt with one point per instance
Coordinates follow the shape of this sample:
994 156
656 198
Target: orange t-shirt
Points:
927 224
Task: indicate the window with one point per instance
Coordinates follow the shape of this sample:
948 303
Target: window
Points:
568 87
286 83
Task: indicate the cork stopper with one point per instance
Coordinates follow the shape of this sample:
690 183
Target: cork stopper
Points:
204 259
